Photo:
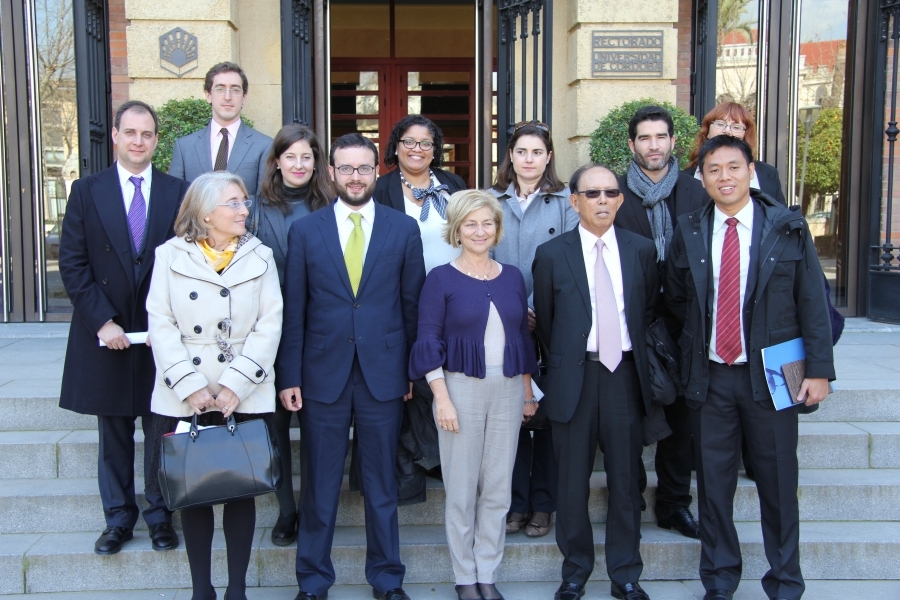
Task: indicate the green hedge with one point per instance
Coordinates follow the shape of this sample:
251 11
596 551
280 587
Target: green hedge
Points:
609 142
178 118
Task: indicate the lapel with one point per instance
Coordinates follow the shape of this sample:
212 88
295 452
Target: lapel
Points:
240 148
755 240
164 200
278 227
628 261
329 230
575 258
204 152
107 195
640 214
381 228
395 190
696 230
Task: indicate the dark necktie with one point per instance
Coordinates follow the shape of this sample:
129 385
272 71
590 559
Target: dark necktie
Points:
222 156
728 307
137 214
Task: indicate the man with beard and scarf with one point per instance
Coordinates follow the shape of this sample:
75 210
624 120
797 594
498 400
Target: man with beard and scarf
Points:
656 194
353 275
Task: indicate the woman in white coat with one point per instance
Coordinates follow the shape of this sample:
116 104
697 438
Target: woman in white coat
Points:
215 322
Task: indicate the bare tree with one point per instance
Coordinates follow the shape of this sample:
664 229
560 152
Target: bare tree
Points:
56 75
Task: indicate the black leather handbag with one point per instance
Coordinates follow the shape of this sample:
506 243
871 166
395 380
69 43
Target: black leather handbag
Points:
218 464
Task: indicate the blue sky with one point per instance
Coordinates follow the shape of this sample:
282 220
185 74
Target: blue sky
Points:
820 19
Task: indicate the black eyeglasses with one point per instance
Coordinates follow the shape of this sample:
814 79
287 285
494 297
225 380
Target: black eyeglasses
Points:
594 194
348 170
537 124
410 143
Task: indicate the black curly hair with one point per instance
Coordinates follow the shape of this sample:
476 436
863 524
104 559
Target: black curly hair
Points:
402 126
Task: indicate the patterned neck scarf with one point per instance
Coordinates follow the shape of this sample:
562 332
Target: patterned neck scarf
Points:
430 195
218 259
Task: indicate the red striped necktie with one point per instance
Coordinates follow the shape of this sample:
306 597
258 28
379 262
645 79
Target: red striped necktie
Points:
728 308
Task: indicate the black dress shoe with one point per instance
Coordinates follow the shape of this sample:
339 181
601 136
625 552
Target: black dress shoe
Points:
394 594
307 596
683 522
569 591
718 595
111 540
489 591
628 591
163 537
468 592
285 531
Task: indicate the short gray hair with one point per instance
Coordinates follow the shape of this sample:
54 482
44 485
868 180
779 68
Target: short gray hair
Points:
200 200
465 202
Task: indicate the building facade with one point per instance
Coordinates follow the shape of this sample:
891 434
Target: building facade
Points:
820 76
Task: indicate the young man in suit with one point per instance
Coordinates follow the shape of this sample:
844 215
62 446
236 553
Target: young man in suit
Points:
743 275
656 194
227 143
353 276
115 219
595 293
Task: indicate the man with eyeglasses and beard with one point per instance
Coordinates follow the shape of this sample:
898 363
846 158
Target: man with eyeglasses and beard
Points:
656 194
595 293
353 275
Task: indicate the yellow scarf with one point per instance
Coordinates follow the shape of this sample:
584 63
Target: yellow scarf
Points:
218 260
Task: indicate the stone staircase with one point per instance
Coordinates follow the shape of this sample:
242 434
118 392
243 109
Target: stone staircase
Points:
50 512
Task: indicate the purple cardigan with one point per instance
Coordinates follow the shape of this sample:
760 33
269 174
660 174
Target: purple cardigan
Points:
453 314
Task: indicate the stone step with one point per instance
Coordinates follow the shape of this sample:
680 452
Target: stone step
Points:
65 562
73 505
73 454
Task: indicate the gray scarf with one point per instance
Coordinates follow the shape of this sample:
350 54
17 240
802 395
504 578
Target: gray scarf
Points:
652 195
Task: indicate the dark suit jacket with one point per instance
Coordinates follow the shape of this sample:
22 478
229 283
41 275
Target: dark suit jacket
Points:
389 188
769 182
325 325
784 297
563 307
105 279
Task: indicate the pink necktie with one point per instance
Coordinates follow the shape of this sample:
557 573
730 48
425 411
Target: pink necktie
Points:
728 306
609 333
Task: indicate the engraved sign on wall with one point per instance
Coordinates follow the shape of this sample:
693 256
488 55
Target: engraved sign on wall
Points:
626 54
178 51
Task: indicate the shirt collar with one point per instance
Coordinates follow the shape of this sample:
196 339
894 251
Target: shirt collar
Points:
589 240
342 211
232 129
125 174
744 217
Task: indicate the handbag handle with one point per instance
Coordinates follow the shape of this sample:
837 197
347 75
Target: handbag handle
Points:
195 430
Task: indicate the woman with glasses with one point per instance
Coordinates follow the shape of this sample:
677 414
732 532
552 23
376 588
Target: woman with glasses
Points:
214 322
421 189
536 209
295 183
733 119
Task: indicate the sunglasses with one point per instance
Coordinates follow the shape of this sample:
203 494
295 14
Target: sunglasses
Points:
537 124
594 194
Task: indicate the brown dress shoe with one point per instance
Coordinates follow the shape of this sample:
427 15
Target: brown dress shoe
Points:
538 525
515 522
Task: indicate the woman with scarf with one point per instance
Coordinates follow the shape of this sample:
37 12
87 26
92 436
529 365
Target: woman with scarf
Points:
215 322
536 209
295 184
421 189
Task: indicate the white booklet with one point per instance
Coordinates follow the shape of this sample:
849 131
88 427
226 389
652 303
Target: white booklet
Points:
138 337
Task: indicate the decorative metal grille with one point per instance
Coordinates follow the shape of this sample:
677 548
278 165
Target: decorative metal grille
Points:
93 87
297 67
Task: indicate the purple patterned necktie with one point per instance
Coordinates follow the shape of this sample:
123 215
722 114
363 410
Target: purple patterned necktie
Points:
137 214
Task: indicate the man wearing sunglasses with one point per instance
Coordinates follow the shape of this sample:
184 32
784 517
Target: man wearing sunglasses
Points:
595 293
656 194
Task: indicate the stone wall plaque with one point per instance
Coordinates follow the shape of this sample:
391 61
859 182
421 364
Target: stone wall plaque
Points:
178 51
629 54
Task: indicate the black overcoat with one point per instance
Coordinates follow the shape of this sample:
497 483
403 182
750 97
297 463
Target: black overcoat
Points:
105 279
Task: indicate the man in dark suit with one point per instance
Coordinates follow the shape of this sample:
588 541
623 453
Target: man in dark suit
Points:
352 281
114 221
656 194
227 143
743 275
595 292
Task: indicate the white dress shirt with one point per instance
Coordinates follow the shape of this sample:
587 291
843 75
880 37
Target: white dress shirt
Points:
128 187
215 138
436 251
614 266
524 202
745 232
345 226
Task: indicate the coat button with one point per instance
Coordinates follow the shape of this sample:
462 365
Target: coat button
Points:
221 358
193 295
259 373
106 248
196 360
546 200
137 261
220 325
552 230
584 334
350 340
223 293
168 381
198 329
356 305
105 281
703 260
580 362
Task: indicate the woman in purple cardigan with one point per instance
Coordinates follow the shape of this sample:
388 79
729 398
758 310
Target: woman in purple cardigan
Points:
474 349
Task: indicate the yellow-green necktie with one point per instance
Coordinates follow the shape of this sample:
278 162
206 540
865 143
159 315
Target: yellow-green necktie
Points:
353 254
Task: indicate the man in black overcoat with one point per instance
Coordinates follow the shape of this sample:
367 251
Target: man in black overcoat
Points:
114 221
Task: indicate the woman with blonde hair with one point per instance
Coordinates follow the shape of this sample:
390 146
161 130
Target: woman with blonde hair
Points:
474 348
215 322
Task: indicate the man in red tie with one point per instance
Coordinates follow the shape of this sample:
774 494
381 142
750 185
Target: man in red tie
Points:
738 273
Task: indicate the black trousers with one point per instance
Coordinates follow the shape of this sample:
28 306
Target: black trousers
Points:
287 505
728 412
535 473
115 473
609 412
674 459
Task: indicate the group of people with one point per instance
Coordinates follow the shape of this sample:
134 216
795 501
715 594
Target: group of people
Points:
273 279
